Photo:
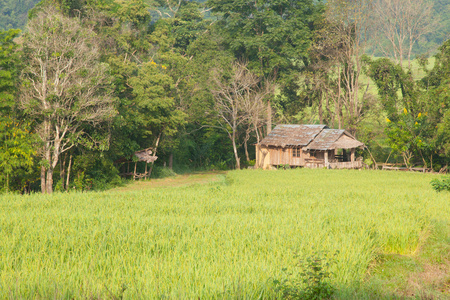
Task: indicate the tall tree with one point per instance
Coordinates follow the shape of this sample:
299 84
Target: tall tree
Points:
238 96
16 141
436 84
273 36
333 77
402 23
9 61
64 87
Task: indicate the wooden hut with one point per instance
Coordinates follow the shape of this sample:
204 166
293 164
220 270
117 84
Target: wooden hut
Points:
145 155
311 146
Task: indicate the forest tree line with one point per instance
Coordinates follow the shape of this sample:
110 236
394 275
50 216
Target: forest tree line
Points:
89 82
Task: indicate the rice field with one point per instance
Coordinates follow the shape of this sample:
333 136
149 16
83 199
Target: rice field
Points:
226 239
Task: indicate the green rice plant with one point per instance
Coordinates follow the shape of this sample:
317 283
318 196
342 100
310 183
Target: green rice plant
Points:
221 240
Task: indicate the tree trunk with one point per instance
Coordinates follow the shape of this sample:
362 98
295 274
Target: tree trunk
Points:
233 140
49 182
68 172
269 117
43 183
62 171
247 137
7 182
320 110
154 154
246 151
339 106
257 133
171 161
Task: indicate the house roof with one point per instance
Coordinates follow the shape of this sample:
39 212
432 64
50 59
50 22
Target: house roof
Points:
292 135
314 137
146 155
330 139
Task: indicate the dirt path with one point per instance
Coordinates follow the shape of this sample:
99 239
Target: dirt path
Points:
179 180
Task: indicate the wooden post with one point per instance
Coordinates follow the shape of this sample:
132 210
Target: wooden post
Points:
257 155
134 174
146 174
326 159
352 157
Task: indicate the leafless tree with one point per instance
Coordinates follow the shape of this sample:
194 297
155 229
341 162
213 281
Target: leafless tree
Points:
255 109
403 23
64 87
238 99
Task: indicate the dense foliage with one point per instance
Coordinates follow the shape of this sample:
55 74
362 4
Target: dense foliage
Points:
14 13
200 83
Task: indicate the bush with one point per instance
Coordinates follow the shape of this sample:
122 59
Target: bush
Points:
441 185
162 172
313 280
92 171
220 165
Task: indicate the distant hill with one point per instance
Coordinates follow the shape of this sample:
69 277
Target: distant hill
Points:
431 41
14 13
442 10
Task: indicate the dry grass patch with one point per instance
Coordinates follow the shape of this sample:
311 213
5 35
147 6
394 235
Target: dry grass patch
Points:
175 181
433 278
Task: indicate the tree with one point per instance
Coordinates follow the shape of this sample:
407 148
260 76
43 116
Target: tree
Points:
408 136
67 7
238 96
336 63
154 105
437 89
16 142
417 111
17 148
402 23
273 36
64 87
9 61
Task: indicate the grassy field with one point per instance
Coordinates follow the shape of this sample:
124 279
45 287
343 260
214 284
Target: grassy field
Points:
229 238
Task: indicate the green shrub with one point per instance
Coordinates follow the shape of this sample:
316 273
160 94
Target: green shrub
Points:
284 167
220 165
313 280
163 172
441 185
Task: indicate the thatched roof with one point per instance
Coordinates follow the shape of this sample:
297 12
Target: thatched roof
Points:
292 135
314 137
330 139
146 155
